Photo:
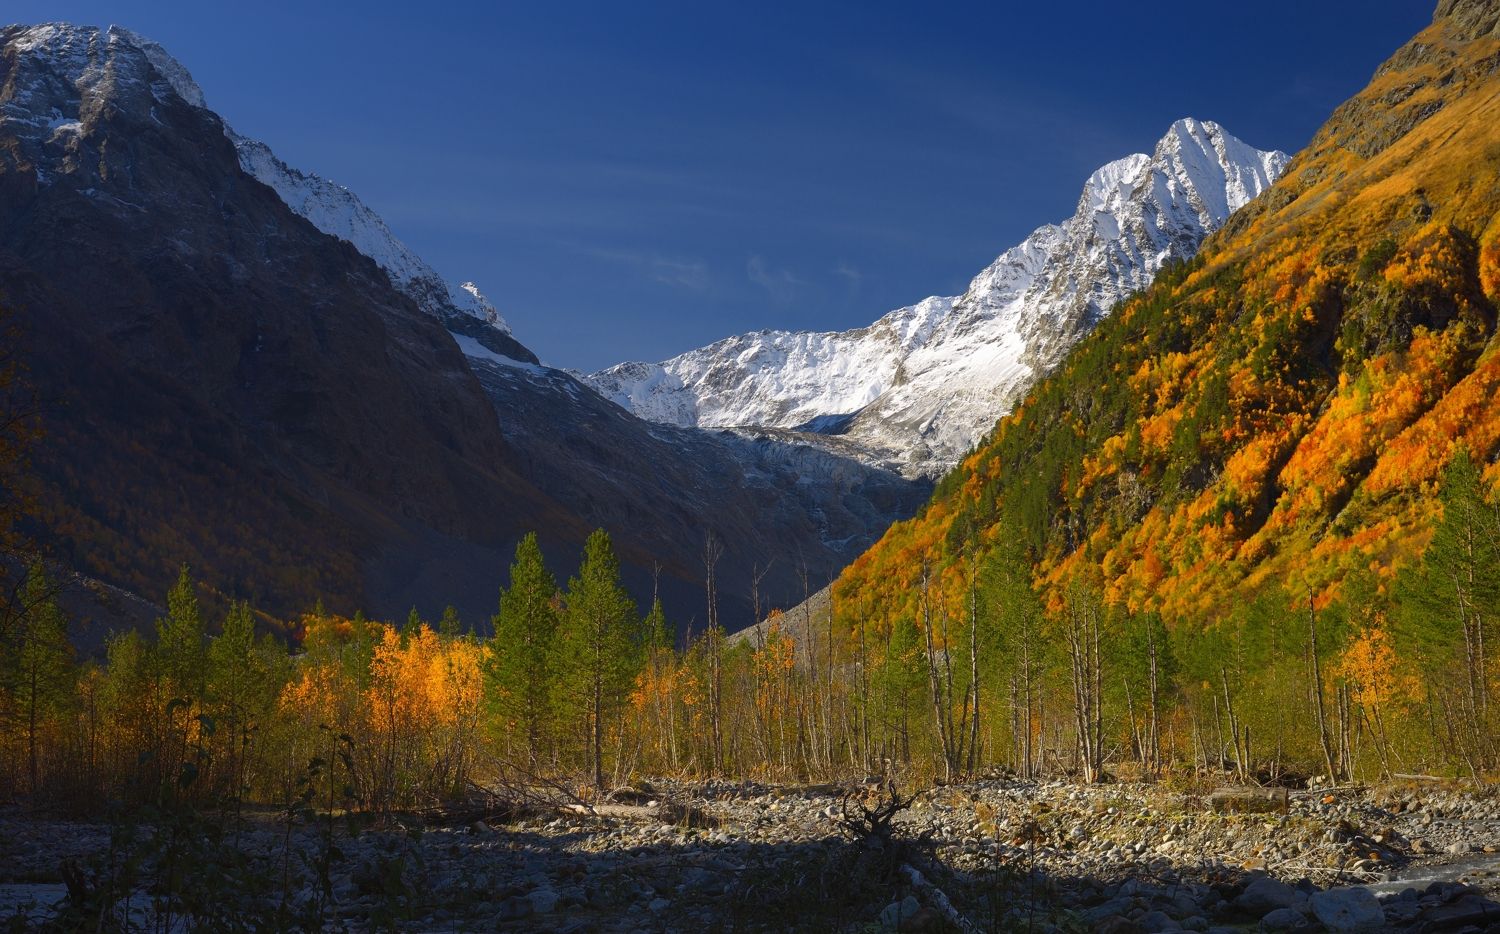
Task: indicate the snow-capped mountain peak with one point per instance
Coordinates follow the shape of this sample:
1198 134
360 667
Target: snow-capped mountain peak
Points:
168 67
921 385
337 211
92 59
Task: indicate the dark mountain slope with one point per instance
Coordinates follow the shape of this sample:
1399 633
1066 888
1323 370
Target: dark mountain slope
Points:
227 386
211 364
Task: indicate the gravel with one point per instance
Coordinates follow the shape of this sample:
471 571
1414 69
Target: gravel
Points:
1048 855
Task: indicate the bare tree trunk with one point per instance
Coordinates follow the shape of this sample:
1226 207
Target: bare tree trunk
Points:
1034 755
973 675
1198 737
1083 650
932 676
816 731
1137 741
1234 725
598 731
953 742
713 550
831 714
1153 736
1317 686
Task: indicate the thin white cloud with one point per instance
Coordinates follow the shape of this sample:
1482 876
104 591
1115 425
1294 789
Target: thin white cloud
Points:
781 284
688 274
851 275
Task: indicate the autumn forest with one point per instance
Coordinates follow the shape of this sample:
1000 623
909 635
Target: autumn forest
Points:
1250 525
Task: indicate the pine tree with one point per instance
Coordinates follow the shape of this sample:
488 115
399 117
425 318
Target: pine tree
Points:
132 712
1451 601
896 686
45 674
1011 631
237 688
520 668
413 624
599 644
1151 668
179 641
450 626
658 638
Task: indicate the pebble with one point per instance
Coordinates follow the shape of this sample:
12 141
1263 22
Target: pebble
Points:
1125 856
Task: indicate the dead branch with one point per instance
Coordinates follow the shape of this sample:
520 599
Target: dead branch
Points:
664 812
872 825
937 900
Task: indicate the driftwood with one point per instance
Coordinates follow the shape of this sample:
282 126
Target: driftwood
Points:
664 812
1330 790
1248 799
871 824
937 900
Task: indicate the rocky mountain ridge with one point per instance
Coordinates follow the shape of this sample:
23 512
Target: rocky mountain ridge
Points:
249 391
920 386
337 211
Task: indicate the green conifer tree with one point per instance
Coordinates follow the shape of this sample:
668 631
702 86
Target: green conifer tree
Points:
897 684
179 641
520 666
599 643
1450 603
238 690
450 626
45 664
658 638
413 624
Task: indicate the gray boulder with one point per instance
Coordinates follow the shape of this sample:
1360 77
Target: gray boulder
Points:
896 912
1154 921
1283 919
543 901
1265 894
1348 909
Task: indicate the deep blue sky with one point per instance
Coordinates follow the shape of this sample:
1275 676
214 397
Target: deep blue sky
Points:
631 180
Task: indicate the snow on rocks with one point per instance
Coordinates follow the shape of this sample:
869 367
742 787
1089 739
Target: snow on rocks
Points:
921 385
67 70
339 212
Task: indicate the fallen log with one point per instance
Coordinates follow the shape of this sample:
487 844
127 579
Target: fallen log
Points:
664 812
1248 800
937 900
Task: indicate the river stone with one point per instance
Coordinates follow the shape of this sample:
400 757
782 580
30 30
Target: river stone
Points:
1283 919
896 912
1265 894
1467 909
543 901
1348 909
513 909
1114 908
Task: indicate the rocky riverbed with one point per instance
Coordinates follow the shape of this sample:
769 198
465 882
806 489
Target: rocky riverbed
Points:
740 856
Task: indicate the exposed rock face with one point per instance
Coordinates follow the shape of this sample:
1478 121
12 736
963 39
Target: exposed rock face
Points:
215 364
1470 19
916 389
238 386
337 211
